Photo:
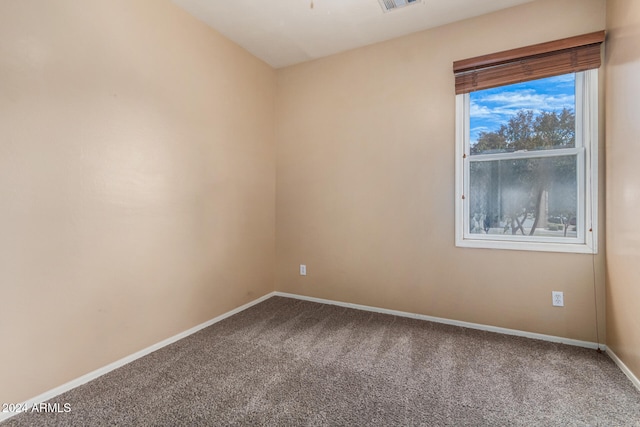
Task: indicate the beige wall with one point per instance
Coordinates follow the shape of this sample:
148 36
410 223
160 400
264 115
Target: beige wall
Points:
137 179
623 181
365 180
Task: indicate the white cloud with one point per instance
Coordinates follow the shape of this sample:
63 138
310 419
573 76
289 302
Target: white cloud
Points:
528 99
477 129
479 110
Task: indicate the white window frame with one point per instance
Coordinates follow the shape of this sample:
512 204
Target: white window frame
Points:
586 149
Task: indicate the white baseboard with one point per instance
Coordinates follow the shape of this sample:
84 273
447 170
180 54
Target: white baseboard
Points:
479 326
634 380
128 359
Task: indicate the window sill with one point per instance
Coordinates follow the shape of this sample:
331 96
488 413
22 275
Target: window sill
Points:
577 248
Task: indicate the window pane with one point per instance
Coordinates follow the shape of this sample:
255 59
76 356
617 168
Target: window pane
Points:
531 197
534 115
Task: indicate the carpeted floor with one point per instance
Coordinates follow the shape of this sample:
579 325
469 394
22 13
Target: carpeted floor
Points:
291 362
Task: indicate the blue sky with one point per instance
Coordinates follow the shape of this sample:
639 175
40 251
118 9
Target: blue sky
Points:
490 108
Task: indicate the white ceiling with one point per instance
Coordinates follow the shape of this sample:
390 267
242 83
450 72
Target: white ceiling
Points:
286 32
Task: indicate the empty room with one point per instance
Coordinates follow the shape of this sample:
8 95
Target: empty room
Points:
320 212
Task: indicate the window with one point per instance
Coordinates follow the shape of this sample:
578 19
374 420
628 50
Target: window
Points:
526 152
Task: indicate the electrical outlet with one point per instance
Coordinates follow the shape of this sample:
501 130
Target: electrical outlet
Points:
303 270
557 298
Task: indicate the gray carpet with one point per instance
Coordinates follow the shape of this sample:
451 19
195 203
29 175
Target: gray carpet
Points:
290 362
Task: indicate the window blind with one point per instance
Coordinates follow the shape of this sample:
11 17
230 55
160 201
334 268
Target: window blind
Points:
548 59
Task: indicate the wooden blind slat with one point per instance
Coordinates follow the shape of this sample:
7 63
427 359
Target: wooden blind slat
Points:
529 63
524 52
